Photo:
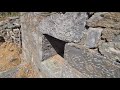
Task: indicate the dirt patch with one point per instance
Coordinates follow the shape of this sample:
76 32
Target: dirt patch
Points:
9 56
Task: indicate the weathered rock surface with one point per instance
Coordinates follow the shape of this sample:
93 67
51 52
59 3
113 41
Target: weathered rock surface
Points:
32 42
105 19
111 35
93 37
57 67
90 62
92 49
7 30
9 73
36 46
110 50
67 27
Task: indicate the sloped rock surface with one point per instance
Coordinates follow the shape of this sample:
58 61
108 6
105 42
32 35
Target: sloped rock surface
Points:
90 62
57 67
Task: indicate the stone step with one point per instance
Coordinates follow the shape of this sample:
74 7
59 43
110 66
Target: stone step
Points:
57 67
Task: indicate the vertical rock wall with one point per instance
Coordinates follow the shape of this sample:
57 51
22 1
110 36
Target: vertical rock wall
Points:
35 46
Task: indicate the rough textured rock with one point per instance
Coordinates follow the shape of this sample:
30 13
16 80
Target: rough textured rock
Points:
32 42
57 67
111 50
105 19
67 27
93 37
92 43
47 48
111 35
36 47
9 73
32 46
7 28
89 62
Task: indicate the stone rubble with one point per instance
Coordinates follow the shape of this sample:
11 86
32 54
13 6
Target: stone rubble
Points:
10 30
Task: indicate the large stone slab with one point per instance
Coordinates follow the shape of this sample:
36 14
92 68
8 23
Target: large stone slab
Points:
67 27
90 62
32 39
57 67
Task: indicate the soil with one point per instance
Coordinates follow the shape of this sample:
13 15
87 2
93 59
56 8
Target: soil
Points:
10 58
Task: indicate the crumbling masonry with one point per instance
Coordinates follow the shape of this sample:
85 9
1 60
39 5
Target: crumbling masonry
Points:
72 44
87 42
10 30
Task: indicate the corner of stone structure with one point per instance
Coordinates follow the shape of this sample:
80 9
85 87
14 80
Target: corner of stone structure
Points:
81 38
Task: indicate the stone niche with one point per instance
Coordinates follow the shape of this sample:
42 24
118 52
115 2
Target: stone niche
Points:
38 46
52 46
88 50
2 39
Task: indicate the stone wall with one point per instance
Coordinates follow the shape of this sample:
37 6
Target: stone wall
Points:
88 41
10 30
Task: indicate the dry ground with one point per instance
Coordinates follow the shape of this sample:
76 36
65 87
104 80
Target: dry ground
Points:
10 58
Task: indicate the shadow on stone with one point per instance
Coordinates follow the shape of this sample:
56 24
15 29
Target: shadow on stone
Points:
2 39
57 44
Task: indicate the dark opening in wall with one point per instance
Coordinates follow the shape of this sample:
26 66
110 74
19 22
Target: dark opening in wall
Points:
57 44
118 61
2 39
